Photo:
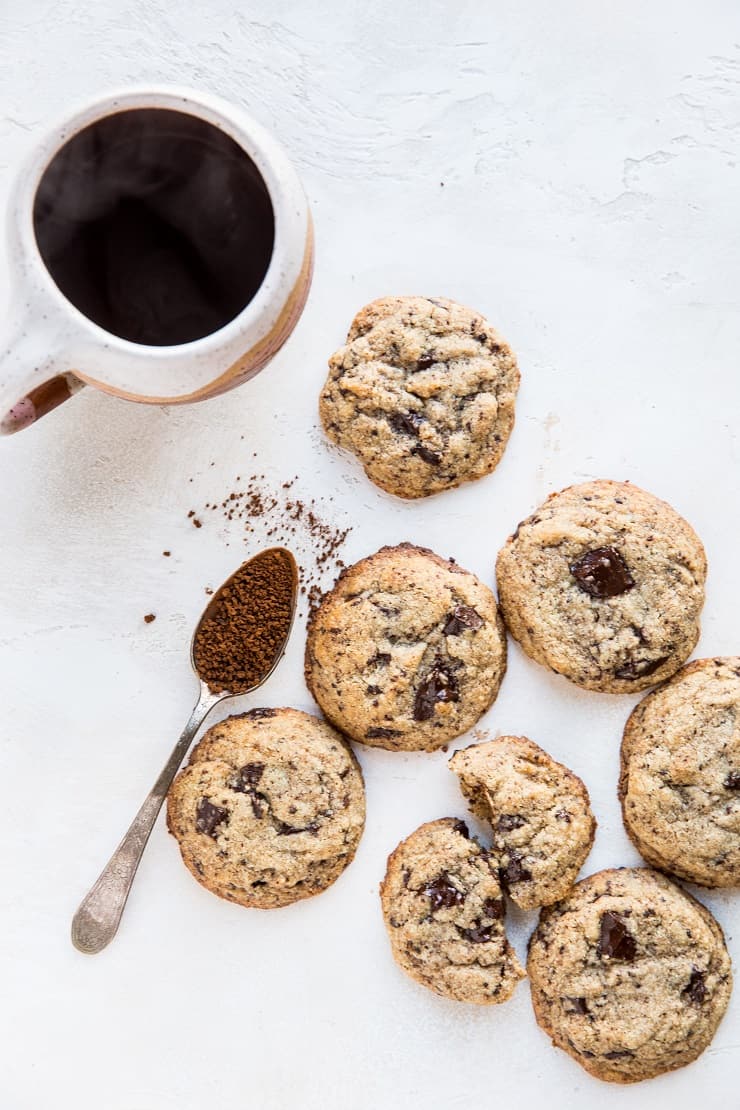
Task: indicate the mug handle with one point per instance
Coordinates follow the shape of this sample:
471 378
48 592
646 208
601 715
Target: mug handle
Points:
31 381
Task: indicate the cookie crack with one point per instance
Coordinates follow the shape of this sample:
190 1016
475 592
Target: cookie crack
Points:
246 779
419 404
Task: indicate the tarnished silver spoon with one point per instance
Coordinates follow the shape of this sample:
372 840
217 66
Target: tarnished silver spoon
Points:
266 583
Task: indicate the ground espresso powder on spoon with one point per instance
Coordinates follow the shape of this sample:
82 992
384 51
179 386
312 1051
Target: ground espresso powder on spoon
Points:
243 629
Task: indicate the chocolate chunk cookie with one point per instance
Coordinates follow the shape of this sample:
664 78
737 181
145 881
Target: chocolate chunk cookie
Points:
422 393
269 809
629 975
444 914
680 780
604 584
543 827
407 651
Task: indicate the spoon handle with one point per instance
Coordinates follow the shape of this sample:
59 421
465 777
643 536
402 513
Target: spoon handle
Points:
96 921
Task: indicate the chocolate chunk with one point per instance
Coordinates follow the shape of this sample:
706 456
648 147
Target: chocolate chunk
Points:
284 829
562 815
247 777
695 991
638 668
406 423
462 617
619 1054
461 828
479 934
439 685
515 872
615 939
443 893
372 690
509 821
577 1005
257 713
380 659
208 817
494 907
245 782
732 782
425 362
602 573
378 733
426 454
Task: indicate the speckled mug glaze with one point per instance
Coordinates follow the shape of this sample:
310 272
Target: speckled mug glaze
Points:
50 349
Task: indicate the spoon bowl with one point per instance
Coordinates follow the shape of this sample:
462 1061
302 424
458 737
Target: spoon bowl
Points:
273 571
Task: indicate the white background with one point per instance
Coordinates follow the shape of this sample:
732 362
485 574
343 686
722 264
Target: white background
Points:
568 169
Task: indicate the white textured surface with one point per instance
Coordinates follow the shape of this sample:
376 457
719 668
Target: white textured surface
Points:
568 169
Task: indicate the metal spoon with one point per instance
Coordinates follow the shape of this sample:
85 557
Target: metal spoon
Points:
97 918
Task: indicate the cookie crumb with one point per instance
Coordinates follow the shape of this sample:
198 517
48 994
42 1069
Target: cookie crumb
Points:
149 617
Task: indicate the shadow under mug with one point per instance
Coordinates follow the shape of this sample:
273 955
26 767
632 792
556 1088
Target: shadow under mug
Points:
51 348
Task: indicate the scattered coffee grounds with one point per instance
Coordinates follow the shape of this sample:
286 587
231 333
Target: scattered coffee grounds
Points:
149 618
279 515
246 624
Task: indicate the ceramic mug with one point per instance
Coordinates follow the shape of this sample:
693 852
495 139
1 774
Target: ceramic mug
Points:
50 349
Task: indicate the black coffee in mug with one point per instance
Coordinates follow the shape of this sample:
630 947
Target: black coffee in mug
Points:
155 224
